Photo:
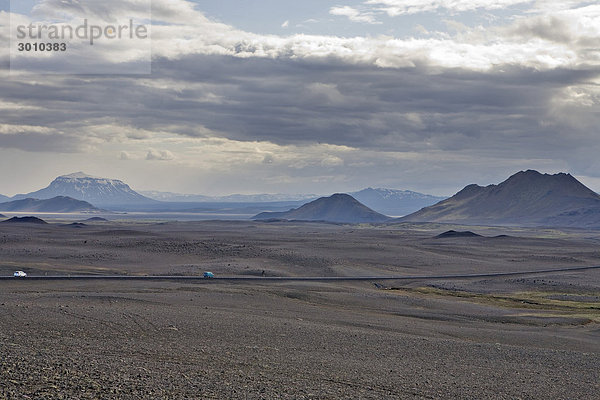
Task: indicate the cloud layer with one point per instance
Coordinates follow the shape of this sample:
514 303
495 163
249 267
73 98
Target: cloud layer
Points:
237 110
400 7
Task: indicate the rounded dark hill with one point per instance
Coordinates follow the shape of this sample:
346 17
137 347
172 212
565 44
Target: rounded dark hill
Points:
25 220
341 208
532 193
528 198
96 219
58 204
76 225
455 234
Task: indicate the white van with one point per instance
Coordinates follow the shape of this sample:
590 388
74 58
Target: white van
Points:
19 274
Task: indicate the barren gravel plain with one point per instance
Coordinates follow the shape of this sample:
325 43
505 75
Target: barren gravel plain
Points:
525 337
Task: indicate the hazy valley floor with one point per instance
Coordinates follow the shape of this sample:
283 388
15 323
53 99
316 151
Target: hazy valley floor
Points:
519 337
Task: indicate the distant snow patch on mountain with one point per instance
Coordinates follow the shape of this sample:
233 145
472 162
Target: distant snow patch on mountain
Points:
94 190
393 201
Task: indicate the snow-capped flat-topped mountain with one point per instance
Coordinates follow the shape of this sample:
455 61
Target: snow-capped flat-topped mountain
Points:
94 190
393 201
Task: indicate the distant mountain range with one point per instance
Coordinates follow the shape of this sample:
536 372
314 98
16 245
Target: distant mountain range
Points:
97 191
59 204
3 216
117 195
341 208
527 198
394 202
385 201
233 198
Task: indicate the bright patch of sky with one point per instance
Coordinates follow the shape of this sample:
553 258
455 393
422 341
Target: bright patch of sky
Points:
348 18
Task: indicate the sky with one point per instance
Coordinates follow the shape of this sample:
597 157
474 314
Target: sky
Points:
318 96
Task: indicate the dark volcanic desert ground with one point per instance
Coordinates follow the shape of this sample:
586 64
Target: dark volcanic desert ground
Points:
534 336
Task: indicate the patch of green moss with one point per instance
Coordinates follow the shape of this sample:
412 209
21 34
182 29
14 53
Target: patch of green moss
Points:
532 300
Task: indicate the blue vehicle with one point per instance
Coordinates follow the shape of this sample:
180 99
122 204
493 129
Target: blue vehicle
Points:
208 275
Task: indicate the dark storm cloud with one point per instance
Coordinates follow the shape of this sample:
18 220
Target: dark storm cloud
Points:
42 142
453 116
289 102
